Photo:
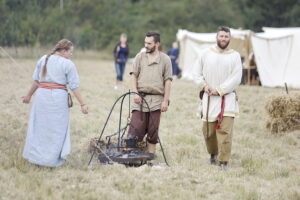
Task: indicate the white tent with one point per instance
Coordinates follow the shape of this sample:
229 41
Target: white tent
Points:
192 46
277 53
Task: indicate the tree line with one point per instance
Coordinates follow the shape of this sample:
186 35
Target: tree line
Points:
97 24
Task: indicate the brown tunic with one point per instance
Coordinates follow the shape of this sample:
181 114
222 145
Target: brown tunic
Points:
151 77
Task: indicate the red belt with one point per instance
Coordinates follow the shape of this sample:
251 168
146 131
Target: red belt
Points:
49 85
220 116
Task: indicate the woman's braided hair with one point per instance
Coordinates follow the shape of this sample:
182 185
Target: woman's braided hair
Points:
63 44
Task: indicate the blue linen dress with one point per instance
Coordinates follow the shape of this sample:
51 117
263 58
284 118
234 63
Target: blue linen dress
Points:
48 135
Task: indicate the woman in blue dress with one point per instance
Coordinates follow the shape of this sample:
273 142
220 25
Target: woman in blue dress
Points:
121 52
48 135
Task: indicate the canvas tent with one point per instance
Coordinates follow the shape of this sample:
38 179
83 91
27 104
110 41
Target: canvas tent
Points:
193 44
277 53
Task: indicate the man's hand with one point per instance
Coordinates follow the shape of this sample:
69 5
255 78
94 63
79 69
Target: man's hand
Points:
211 91
214 92
207 89
137 99
164 106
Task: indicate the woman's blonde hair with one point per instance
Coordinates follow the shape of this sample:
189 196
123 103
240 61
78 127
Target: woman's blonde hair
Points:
61 45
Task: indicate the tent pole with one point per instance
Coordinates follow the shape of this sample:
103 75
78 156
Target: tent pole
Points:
248 61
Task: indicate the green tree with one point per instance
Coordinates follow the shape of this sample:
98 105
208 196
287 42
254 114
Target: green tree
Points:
273 13
97 24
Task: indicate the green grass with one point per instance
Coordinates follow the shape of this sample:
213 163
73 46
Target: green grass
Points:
263 166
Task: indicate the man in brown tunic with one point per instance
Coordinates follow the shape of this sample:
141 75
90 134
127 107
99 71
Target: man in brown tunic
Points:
151 76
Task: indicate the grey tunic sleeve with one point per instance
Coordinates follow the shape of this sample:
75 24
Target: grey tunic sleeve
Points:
72 77
37 71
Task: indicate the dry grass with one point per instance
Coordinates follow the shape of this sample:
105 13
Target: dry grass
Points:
283 112
263 166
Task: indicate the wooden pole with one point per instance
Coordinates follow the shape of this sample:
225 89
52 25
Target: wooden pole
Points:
286 88
247 60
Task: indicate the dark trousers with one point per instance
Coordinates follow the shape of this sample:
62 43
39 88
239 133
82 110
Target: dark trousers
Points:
175 69
143 123
120 68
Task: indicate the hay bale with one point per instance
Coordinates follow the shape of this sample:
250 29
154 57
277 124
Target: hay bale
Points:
284 113
277 125
286 106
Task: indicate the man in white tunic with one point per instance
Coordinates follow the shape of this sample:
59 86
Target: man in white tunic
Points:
219 76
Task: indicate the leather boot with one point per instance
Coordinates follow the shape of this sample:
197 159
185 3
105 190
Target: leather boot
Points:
213 159
224 166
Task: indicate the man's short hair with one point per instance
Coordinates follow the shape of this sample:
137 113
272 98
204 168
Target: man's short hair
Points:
155 35
224 28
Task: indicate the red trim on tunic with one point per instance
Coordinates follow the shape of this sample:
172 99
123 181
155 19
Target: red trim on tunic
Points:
220 116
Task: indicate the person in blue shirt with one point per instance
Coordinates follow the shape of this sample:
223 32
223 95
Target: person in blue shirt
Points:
121 52
173 54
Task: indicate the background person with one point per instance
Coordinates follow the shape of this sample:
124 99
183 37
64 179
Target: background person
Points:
174 53
121 52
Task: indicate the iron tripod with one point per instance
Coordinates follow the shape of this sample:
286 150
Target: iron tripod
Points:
113 154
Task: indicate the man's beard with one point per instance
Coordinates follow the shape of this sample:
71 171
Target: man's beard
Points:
151 50
222 46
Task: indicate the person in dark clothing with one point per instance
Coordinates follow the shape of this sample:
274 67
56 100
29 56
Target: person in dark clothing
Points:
173 53
121 52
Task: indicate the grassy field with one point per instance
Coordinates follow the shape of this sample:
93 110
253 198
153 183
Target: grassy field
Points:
263 166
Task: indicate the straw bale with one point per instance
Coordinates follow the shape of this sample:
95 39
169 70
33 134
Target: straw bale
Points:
277 125
286 106
284 113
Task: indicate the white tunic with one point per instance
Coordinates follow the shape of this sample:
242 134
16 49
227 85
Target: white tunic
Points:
223 72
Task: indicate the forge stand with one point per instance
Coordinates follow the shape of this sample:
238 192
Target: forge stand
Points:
125 151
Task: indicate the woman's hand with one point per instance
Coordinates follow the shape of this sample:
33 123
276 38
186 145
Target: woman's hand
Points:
84 109
33 88
26 99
